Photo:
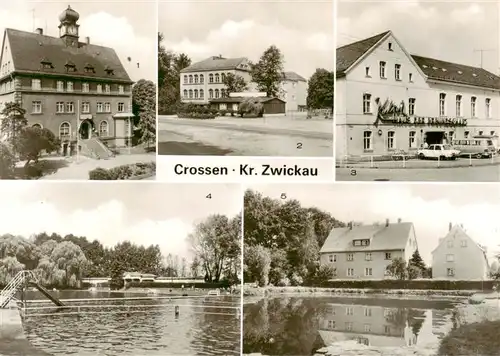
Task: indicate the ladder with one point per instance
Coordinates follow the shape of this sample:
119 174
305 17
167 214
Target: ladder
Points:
13 286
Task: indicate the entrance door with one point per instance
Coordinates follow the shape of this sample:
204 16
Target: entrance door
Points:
434 137
85 130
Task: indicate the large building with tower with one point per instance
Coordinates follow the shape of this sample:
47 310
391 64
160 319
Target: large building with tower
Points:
387 99
78 90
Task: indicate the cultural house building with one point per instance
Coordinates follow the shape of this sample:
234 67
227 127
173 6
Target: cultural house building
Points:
78 90
387 99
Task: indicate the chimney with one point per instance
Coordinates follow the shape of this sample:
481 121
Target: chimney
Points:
39 31
399 220
386 222
449 226
87 40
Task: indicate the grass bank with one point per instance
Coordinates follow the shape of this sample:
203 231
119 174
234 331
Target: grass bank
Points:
472 339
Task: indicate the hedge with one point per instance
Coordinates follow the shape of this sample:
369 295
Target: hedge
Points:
200 285
127 171
430 284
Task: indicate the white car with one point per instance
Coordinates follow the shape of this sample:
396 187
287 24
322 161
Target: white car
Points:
438 151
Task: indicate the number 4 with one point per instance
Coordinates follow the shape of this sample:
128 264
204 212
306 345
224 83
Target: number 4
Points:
209 196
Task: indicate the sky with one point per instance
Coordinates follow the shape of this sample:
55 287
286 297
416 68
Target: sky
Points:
303 30
431 207
450 31
143 213
126 26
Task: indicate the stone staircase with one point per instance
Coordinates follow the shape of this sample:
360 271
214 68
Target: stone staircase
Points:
95 148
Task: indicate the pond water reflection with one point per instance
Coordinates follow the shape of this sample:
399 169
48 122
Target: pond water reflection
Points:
207 326
300 326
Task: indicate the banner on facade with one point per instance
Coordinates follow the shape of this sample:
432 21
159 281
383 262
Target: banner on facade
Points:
424 121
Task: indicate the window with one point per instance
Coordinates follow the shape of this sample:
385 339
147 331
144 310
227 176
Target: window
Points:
88 68
216 93
99 88
185 79
350 272
410 77
107 87
397 71
332 258
411 106
391 135
368 271
412 139
202 79
350 257
36 84
103 129
331 324
59 107
190 93
202 93
85 87
121 89
450 258
190 79
389 46
185 93
60 85
458 106
368 256
100 107
348 326
85 107
450 243
368 312
210 94
64 130
463 243
121 107
196 79
223 77
349 311
367 140
473 106
107 107
387 329
217 77
367 328
210 78
70 107
492 133
382 70
388 256
69 86
442 104
36 107
222 93
480 133
367 72
450 135
488 108
367 101
196 93
450 272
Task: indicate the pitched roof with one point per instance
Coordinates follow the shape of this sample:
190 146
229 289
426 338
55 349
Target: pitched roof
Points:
292 76
30 49
457 73
347 55
433 68
217 63
239 99
382 237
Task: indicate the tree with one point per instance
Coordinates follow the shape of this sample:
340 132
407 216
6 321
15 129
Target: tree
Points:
144 109
13 120
417 264
320 89
268 72
7 162
257 265
251 106
234 83
397 268
30 142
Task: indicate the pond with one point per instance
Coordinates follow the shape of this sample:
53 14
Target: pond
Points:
205 325
302 325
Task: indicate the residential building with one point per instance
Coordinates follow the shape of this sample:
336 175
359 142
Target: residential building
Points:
364 251
294 89
138 277
434 100
459 257
67 86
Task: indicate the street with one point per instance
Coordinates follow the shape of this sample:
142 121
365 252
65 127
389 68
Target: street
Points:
489 173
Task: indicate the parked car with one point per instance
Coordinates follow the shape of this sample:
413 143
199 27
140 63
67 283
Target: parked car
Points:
438 151
478 148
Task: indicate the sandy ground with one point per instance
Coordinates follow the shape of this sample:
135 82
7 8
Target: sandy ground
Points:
80 170
272 136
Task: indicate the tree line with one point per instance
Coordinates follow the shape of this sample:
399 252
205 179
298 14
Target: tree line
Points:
62 261
267 74
283 239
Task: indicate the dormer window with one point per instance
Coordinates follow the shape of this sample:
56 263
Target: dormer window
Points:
46 64
89 68
362 242
109 71
70 67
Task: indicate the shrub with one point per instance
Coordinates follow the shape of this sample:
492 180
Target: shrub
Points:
7 162
128 171
251 107
222 113
99 174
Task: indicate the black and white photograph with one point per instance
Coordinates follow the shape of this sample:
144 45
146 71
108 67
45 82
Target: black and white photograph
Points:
78 90
417 91
250 78
90 269
363 269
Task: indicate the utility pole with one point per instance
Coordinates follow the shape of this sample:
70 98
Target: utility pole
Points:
481 51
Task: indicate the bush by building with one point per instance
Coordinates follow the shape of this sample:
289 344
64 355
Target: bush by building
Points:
127 171
193 111
430 284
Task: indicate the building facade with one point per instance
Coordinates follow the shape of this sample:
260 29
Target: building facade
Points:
77 90
365 251
294 89
459 257
387 99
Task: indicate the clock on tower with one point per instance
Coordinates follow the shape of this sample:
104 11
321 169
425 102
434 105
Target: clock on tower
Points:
68 27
